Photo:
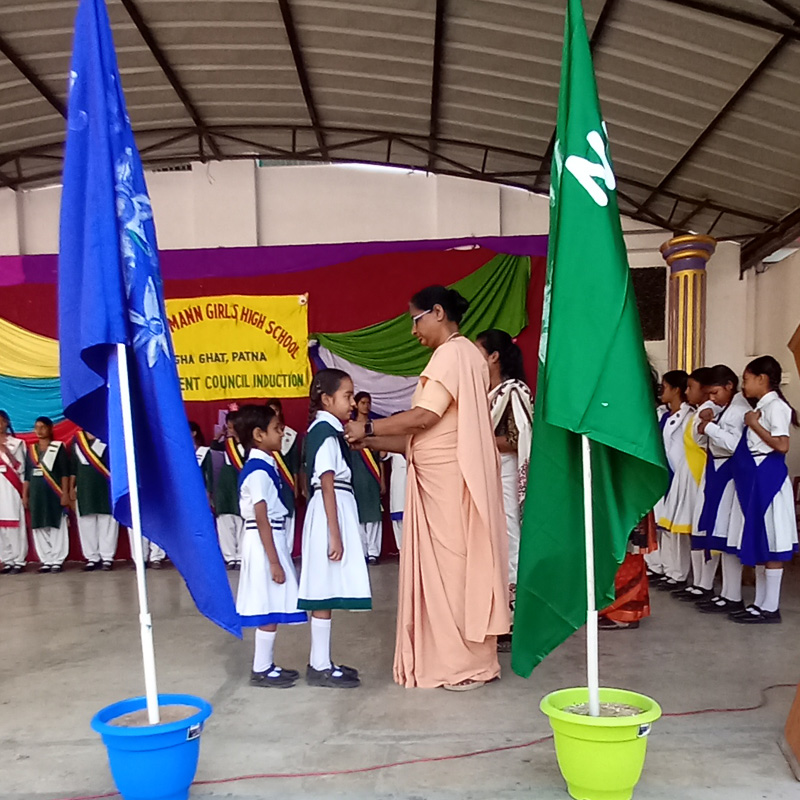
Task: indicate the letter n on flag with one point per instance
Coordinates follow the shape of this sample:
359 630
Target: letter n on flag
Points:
594 380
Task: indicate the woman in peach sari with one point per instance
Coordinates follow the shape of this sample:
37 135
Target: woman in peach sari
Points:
453 590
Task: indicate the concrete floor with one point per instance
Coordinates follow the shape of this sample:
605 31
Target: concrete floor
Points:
69 646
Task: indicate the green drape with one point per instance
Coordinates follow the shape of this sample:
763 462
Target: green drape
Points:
497 293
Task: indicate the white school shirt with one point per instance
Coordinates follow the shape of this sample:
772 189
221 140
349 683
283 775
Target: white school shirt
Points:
258 487
201 454
725 433
702 438
329 457
17 449
776 418
673 436
397 482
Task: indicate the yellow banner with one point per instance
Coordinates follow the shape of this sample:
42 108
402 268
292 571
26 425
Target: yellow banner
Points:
239 346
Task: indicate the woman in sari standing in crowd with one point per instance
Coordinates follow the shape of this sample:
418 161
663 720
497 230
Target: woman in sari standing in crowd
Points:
453 591
631 585
511 405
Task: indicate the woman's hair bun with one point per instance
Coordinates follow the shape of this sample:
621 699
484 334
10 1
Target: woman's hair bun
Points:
451 301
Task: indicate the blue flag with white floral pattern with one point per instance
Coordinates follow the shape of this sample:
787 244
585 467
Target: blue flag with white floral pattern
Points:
110 292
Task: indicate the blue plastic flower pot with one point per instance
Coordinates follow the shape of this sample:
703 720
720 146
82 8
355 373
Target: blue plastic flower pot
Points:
156 762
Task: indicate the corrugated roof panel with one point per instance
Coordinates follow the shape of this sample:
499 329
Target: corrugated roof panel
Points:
737 195
531 139
664 73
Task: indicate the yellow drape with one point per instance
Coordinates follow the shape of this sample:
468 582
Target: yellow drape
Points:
24 354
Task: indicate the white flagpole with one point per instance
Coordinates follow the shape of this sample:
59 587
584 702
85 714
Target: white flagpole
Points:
145 620
592 658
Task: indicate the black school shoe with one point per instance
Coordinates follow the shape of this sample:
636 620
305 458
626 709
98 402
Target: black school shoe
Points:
274 678
670 585
693 594
44 568
17 570
334 678
719 605
107 566
91 566
56 568
742 611
758 617
6 569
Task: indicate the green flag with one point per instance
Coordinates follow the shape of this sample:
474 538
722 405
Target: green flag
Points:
594 379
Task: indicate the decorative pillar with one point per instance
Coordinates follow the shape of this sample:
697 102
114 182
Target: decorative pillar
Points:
686 257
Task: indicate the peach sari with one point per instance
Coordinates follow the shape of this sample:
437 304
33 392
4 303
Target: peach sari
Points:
453 593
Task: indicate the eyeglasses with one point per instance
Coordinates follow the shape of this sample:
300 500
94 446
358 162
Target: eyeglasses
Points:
415 320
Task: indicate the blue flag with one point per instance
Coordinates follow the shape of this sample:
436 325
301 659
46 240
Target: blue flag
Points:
110 292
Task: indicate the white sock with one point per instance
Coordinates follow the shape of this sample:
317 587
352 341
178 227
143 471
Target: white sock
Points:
697 567
761 585
320 643
731 577
709 572
264 655
772 595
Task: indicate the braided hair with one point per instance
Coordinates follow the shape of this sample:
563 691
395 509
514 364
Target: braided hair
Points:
677 379
722 375
326 381
500 342
769 366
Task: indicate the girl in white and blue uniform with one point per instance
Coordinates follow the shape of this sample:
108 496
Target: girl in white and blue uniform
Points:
267 595
697 393
674 511
334 573
768 536
720 520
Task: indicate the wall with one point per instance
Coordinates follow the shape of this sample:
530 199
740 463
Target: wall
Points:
236 203
777 315
240 204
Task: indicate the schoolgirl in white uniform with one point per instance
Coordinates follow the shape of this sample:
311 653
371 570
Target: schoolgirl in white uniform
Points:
768 536
267 594
13 535
397 494
674 511
697 393
720 520
334 572
653 560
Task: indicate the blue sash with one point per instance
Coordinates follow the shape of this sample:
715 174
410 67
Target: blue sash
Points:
716 481
756 486
253 465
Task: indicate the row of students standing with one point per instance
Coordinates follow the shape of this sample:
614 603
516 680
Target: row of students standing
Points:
730 500
48 478
222 483
334 571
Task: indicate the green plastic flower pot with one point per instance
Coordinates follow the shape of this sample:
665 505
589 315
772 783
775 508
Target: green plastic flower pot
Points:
601 758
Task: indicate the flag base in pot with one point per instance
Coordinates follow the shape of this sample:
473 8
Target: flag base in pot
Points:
601 758
153 762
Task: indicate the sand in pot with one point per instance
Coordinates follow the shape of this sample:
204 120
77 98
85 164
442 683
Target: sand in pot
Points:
139 719
606 710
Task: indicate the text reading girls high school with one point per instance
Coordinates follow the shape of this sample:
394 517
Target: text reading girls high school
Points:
227 346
